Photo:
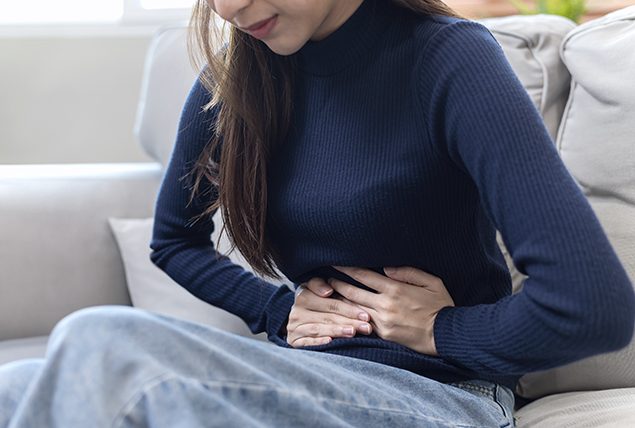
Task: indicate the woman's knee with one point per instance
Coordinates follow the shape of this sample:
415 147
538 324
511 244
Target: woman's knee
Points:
19 372
97 327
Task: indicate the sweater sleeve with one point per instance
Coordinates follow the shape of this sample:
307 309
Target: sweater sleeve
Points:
578 300
183 248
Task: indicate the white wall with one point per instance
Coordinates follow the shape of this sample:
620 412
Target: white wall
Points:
70 99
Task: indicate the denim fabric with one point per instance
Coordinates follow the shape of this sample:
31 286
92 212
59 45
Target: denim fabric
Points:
123 367
15 377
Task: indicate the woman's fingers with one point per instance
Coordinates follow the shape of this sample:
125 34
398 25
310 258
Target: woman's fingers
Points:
328 323
402 310
318 331
319 287
307 299
413 276
390 283
303 342
355 294
308 328
316 320
367 277
405 306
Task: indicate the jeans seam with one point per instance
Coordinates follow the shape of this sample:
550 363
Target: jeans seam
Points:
491 392
497 400
136 397
476 388
167 377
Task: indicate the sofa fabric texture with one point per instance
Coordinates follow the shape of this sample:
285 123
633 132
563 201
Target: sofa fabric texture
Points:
610 408
153 290
532 46
167 79
66 258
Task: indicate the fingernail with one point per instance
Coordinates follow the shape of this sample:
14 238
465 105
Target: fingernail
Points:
364 316
364 329
348 331
390 270
324 290
325 340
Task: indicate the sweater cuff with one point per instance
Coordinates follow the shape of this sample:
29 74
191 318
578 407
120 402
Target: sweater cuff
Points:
277 309
467 336
452 342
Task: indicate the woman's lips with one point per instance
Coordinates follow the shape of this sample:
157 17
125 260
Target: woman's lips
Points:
262 30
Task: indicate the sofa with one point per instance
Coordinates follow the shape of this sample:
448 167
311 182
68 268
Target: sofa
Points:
73 236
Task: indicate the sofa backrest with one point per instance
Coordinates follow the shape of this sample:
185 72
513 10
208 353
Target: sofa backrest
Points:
57 253
531 45
167 80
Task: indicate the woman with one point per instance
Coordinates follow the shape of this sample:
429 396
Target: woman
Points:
388 136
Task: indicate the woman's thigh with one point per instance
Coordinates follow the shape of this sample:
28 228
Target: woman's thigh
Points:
121 367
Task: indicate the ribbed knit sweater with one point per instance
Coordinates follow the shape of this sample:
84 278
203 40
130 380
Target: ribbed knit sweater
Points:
412 141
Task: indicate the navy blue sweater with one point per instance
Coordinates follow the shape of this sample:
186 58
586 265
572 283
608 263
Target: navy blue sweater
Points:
412 141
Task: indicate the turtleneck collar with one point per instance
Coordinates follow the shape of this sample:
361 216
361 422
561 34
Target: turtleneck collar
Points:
339 50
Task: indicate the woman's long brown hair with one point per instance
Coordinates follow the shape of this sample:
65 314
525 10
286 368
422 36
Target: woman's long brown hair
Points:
252 88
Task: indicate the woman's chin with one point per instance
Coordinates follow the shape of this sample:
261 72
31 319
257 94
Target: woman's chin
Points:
283 49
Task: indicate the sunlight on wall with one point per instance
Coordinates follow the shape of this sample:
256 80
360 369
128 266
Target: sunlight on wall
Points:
46 11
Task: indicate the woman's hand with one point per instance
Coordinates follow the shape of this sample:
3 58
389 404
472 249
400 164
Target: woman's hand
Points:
315 319
405 306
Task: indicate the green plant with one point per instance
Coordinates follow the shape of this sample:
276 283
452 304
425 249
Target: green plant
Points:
572 9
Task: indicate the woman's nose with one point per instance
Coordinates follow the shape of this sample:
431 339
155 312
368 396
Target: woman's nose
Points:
229 9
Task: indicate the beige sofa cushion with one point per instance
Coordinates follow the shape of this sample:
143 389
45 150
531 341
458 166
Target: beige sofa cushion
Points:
597 143
613 408
153 290
532 45
18 349
57 253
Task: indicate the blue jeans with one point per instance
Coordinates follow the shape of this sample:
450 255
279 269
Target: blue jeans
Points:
123 367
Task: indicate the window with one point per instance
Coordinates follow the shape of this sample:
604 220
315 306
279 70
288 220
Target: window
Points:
45 11
17 12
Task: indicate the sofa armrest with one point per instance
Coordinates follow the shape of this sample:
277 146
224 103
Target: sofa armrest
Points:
57 253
